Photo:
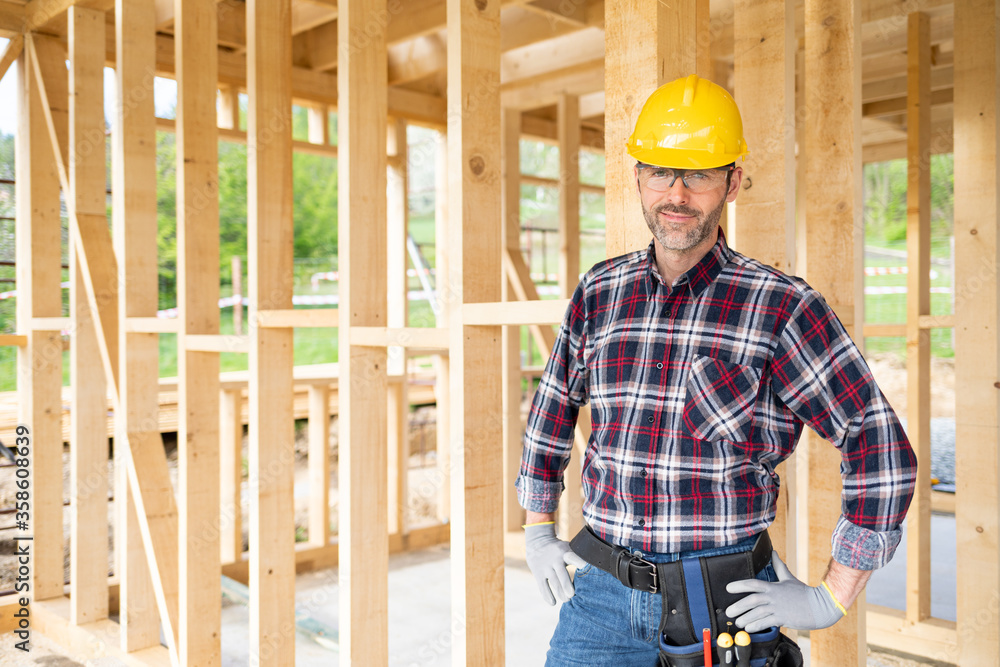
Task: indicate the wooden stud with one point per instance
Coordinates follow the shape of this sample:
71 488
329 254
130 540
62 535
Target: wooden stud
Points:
319 464
474 169
230 475
272 428
236 274
918 304
834 241
49 60
647 45
10 54
442 363
363 526
704 67
13 340
397 406
319 125
764 213
568 122
88 414
550 311
229 107
977 344
133 163
197 298
511 343
39 365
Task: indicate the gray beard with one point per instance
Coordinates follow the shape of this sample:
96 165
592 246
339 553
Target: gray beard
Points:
692 237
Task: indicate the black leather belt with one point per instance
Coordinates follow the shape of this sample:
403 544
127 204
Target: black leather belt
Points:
640 574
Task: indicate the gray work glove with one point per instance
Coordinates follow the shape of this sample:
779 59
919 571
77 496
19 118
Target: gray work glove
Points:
547 558
786 603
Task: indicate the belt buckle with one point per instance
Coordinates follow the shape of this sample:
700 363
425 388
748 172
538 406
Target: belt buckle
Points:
639 560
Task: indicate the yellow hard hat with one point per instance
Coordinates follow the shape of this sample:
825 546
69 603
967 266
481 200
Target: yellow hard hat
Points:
689 123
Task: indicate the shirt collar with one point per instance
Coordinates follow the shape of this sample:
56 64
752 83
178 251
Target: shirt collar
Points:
699 276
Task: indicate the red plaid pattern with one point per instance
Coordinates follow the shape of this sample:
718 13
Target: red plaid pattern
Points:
697 391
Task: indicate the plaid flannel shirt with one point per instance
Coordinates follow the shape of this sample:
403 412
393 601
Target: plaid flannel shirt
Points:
697 391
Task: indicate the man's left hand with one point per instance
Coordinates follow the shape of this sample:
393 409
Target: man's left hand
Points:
785 603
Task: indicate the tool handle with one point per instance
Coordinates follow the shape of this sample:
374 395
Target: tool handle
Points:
742 656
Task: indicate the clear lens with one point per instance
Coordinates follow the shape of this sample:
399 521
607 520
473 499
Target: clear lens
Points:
661 179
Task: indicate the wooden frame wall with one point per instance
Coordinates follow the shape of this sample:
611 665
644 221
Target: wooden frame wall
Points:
153 525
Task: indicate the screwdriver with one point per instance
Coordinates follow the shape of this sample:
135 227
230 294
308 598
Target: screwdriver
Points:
742 649
725 644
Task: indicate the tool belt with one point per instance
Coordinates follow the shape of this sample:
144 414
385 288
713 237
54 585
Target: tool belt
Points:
694 597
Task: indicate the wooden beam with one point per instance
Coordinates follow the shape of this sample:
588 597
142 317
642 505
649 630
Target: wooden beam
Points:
582 46
230 474
361 124
88 413
229 108
299 318
199 631
319 465
515 312
39 364
510 210
133 169
442 363
544 89
895 105
11 53
648 44
319 124
38 13
271 247
150 325
239 136
13 340
833 242
977 344
763 224
918 304
475 229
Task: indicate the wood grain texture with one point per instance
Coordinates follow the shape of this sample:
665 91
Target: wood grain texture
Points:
918 304
977 344
476 235
270 246
363 486
39 364
89 442
199 635
833 212
133 168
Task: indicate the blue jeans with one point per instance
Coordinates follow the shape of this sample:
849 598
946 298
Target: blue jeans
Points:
607 623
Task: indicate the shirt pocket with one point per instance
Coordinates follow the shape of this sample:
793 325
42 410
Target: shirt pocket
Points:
720 400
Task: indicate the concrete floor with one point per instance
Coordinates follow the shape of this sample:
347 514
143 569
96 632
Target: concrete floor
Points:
420 627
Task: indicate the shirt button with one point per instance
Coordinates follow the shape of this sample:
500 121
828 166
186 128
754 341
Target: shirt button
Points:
659 365
642 473
642 522
650 419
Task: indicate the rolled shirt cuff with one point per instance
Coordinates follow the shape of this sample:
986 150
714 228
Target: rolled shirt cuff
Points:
862 548
535 495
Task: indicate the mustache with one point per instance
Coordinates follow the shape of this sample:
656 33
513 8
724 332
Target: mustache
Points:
671 208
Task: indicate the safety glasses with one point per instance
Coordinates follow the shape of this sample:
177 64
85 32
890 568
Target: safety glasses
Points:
661 179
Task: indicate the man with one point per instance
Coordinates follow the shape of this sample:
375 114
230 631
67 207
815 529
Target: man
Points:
701 366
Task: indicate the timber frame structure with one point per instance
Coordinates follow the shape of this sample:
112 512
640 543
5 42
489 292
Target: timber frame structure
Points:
823 85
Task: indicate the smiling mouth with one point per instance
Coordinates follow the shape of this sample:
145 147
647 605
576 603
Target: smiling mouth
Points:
677 217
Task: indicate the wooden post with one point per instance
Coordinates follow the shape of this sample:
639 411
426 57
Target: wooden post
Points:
197 298
703 66
39 364
319 465
361 124
133 162
918 304
647 45
568 131
833 209
442 365
397 406
319 125
230 475
229 107
511 343
977 360
88 415
764 35
270 245
801 473
237 280
474 171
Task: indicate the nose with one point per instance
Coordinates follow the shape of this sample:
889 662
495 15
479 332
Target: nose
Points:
678 192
